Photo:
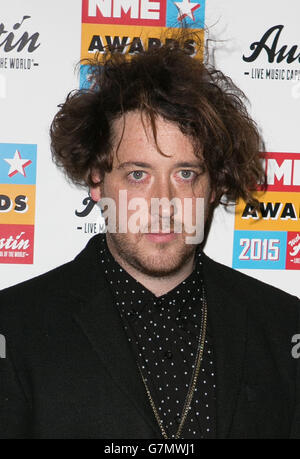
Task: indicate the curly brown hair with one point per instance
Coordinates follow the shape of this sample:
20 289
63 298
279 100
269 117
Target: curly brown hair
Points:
162 81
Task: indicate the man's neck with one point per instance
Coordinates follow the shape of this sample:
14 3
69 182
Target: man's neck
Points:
157 285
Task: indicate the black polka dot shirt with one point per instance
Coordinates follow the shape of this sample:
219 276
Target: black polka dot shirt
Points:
164 332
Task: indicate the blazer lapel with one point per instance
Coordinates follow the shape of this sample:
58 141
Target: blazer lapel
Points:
102 326
227 316
97 316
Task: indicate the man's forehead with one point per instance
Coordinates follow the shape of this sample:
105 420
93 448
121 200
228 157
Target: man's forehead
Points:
135 141
137 126
145 157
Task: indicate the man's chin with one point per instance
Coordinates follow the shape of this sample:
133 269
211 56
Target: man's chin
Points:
151 256
160 261
156 268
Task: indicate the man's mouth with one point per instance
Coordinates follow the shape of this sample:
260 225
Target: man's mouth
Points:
161 237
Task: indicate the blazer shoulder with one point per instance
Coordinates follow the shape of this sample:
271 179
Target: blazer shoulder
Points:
78 278
252 290
49 280
23 298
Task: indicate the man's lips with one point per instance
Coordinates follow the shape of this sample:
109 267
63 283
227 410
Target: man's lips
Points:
161 237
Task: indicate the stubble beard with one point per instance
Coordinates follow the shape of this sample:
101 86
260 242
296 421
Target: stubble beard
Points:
165 262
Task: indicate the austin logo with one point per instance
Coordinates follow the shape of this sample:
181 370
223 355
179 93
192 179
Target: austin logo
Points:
12 42
271 45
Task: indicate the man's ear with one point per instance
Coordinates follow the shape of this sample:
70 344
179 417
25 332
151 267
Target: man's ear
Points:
95 191
212 196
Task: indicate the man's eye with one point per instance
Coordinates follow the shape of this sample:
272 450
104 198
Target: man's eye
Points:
187 174
136 175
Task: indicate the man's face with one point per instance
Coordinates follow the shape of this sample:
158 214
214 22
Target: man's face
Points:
145 173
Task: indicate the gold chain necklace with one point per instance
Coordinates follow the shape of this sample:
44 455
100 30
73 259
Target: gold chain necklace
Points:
194 378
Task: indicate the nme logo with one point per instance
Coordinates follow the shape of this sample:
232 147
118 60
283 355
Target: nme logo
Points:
138 12
282 171
143 9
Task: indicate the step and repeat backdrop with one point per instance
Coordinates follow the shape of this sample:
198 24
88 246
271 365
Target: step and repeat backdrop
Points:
45 221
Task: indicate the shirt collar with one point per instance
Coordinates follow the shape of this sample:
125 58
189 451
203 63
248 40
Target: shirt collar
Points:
130 294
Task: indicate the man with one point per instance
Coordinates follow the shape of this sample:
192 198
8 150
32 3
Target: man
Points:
143 335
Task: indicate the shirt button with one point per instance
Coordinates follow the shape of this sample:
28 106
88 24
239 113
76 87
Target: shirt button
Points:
168 354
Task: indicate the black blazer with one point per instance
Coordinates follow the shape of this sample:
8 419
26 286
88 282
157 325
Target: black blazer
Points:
70 373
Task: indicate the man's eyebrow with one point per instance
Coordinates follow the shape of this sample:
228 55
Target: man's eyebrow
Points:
189 164
134 163
149 166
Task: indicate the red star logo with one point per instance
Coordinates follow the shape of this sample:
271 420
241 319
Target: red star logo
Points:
186 9
17 164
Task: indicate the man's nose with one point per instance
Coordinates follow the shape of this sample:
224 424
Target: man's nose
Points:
164 191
